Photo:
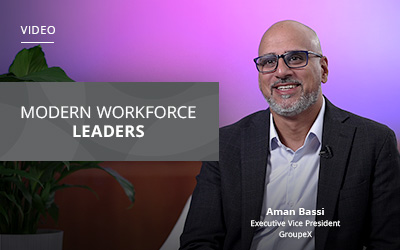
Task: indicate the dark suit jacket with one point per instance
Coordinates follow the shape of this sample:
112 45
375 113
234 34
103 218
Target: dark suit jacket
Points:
359 185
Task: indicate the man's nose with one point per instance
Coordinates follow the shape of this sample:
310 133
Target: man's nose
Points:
282 71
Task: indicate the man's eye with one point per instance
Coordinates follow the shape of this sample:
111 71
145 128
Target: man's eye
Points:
267 61
296 58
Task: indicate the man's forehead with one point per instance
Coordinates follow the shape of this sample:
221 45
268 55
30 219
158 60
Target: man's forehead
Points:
288 35
282 44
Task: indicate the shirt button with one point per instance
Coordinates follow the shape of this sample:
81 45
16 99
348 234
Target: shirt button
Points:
294 165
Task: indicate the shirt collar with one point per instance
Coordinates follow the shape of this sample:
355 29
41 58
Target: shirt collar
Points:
316 129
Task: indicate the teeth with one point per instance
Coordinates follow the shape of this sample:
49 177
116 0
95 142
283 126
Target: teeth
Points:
286 87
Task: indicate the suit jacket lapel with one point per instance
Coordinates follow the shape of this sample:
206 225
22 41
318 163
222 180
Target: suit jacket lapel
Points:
339 137
254 153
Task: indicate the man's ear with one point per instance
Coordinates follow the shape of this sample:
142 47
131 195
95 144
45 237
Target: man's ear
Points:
324 69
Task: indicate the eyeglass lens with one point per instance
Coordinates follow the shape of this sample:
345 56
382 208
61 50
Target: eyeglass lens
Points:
294 59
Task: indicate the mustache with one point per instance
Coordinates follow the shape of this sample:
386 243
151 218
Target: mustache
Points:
287 80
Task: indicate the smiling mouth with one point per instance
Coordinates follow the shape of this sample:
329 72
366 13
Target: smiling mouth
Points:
286 87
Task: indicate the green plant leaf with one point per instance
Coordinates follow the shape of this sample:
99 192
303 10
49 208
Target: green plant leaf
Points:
45 195
63 186
14 201
21 187
28 61
66 163
5 215
125 184
76 166
10 77
53 74
38 203
27 175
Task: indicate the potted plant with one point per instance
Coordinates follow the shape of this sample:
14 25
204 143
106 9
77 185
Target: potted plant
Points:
27 196
27 189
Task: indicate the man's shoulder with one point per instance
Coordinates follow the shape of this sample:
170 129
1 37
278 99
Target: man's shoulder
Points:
366 130
230 137
357 120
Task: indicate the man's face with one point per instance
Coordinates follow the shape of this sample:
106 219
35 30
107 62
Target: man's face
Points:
291 91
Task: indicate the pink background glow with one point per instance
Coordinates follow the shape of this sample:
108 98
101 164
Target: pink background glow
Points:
207 40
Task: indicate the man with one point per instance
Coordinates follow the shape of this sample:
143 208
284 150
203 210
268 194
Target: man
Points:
302 174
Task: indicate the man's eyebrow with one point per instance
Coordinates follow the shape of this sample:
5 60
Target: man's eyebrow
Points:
267 54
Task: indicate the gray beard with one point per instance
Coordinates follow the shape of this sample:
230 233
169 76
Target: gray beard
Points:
305 101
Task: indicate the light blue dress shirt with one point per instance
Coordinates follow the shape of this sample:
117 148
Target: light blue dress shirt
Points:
291 183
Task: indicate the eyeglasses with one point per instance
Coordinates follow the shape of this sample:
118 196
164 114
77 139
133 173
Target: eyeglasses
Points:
293 59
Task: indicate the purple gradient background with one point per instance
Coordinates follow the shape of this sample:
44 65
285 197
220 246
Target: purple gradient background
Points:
207 40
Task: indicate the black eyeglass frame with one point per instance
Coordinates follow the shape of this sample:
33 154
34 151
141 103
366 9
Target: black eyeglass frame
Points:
283 57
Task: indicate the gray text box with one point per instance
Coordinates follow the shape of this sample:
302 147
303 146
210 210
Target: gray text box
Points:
156 138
